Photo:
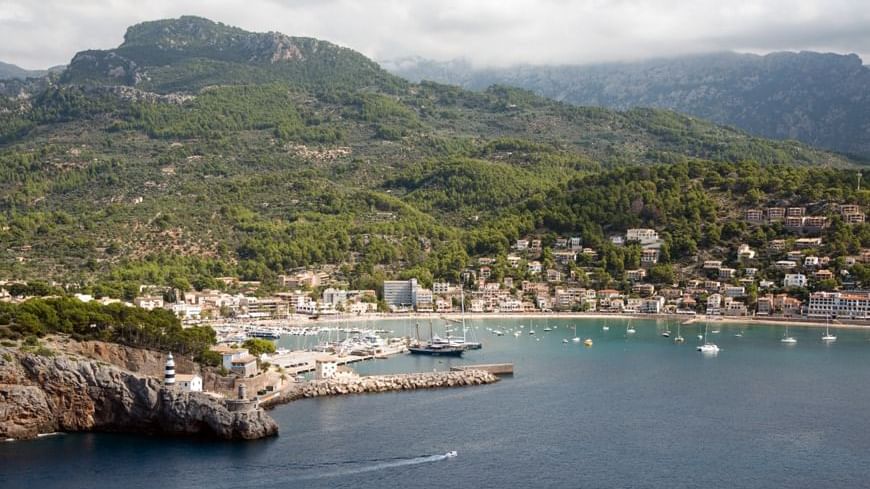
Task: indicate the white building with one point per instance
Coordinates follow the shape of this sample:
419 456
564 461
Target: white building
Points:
839 305
644 236
794 280
744 252
189 382
714 304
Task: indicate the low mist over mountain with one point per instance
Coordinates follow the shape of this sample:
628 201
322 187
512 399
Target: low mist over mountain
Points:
820 99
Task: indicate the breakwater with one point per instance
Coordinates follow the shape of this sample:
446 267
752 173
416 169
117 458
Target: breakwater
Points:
400 382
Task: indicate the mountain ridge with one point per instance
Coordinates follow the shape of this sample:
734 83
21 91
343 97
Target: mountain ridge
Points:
822 99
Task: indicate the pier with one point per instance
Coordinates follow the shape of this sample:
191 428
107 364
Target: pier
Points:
493 368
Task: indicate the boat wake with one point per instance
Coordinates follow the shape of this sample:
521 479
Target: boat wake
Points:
374 465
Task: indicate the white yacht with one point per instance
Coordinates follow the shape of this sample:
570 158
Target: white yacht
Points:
575 339
630 329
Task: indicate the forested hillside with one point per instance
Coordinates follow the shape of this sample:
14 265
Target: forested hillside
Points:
820 99
197 150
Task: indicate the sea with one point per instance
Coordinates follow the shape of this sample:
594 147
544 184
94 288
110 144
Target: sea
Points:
631 411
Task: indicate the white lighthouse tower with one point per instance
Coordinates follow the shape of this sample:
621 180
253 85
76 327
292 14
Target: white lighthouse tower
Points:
169 376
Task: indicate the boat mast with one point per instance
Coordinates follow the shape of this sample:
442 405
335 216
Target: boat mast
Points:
462 310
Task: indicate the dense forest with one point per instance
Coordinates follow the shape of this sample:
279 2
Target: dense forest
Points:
180 172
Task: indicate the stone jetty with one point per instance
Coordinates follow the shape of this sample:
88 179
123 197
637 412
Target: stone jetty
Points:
400 382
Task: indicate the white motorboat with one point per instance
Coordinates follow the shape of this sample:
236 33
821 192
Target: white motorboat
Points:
451 454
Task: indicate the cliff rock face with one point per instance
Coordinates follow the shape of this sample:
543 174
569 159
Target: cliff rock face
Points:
44 394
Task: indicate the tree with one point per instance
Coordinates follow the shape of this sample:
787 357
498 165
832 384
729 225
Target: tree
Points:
258 346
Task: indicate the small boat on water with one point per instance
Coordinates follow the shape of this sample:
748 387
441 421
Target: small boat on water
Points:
575 339
679 338
790 340
548 330
451 454
707 347
666 334
630 329
828 337
531 331
587 342
517 334
564 340
498 332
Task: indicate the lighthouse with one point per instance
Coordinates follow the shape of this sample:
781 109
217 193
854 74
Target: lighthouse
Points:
169 376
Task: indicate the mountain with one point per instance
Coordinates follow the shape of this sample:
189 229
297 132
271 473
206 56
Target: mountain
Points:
189 53
820 99
197 150
9 71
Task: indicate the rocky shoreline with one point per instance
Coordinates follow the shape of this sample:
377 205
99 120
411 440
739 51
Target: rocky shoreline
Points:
400 382
45 394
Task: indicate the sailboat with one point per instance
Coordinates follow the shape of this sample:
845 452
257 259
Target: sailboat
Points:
575 339
629 329
788 339
707 347
605 327
679 338
667 332
828 336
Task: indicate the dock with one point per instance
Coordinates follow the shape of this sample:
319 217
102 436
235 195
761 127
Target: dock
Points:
493 368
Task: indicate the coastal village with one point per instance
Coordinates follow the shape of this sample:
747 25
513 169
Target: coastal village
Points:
789 278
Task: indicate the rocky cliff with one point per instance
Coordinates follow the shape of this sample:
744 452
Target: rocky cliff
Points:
40 394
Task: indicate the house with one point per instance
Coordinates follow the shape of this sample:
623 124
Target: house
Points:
574 243
649 257
148 302
535 245
712 265
734 291
329 369
764 306
644 236
805 243
785 264
533 267
513 261
733 307
754 215
485 272
811 262
189 382
856 218
765 284
712 284
617 240
823 275
714 304
795 255
777 244
727 273
508 282
635 275
815 223
521 244
485 260
653 305
794 280
554 275
564 257
440 287
750 272
847 209
643 289
775 213
744 252
245 365
560 243
793 222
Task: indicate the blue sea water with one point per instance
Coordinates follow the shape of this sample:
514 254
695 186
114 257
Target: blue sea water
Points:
632 411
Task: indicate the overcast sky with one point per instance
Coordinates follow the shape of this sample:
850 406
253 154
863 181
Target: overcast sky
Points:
40 33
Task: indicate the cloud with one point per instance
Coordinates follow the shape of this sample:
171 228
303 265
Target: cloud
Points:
486 32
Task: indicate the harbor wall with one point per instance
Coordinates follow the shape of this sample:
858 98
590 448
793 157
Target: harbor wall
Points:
400 382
